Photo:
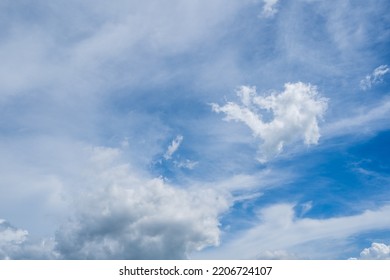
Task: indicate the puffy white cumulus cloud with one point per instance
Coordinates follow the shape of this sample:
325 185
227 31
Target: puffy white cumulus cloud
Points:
294 115
375 77
269 9
121 215
377 251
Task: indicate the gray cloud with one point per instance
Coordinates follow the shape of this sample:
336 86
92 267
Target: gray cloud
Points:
11 239
118 215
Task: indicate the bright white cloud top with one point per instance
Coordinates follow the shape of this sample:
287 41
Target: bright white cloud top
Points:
293 113
377 251
129 217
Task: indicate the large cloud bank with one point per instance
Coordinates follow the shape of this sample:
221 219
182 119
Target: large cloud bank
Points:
121 215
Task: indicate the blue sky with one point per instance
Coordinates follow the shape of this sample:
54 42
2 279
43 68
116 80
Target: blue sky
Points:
194 129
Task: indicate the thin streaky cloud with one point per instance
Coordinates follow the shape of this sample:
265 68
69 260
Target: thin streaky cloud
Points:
172 148
375 77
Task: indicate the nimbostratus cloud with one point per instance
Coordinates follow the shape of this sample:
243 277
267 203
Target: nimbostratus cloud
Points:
294 116
121 215
375 77
377 251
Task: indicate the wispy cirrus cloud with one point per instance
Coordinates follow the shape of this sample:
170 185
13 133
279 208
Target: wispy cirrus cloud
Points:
367 119
280 230
172 148
375 77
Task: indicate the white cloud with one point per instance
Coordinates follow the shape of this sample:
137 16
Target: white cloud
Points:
117 211
368 119
375 77
71 43
305 207
295 113
377 251
14 244
276 255
9 234
173 147
188 164
269 9
10 239
122 215
279 229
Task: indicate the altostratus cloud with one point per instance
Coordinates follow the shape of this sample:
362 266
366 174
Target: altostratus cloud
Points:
375 77
294 116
